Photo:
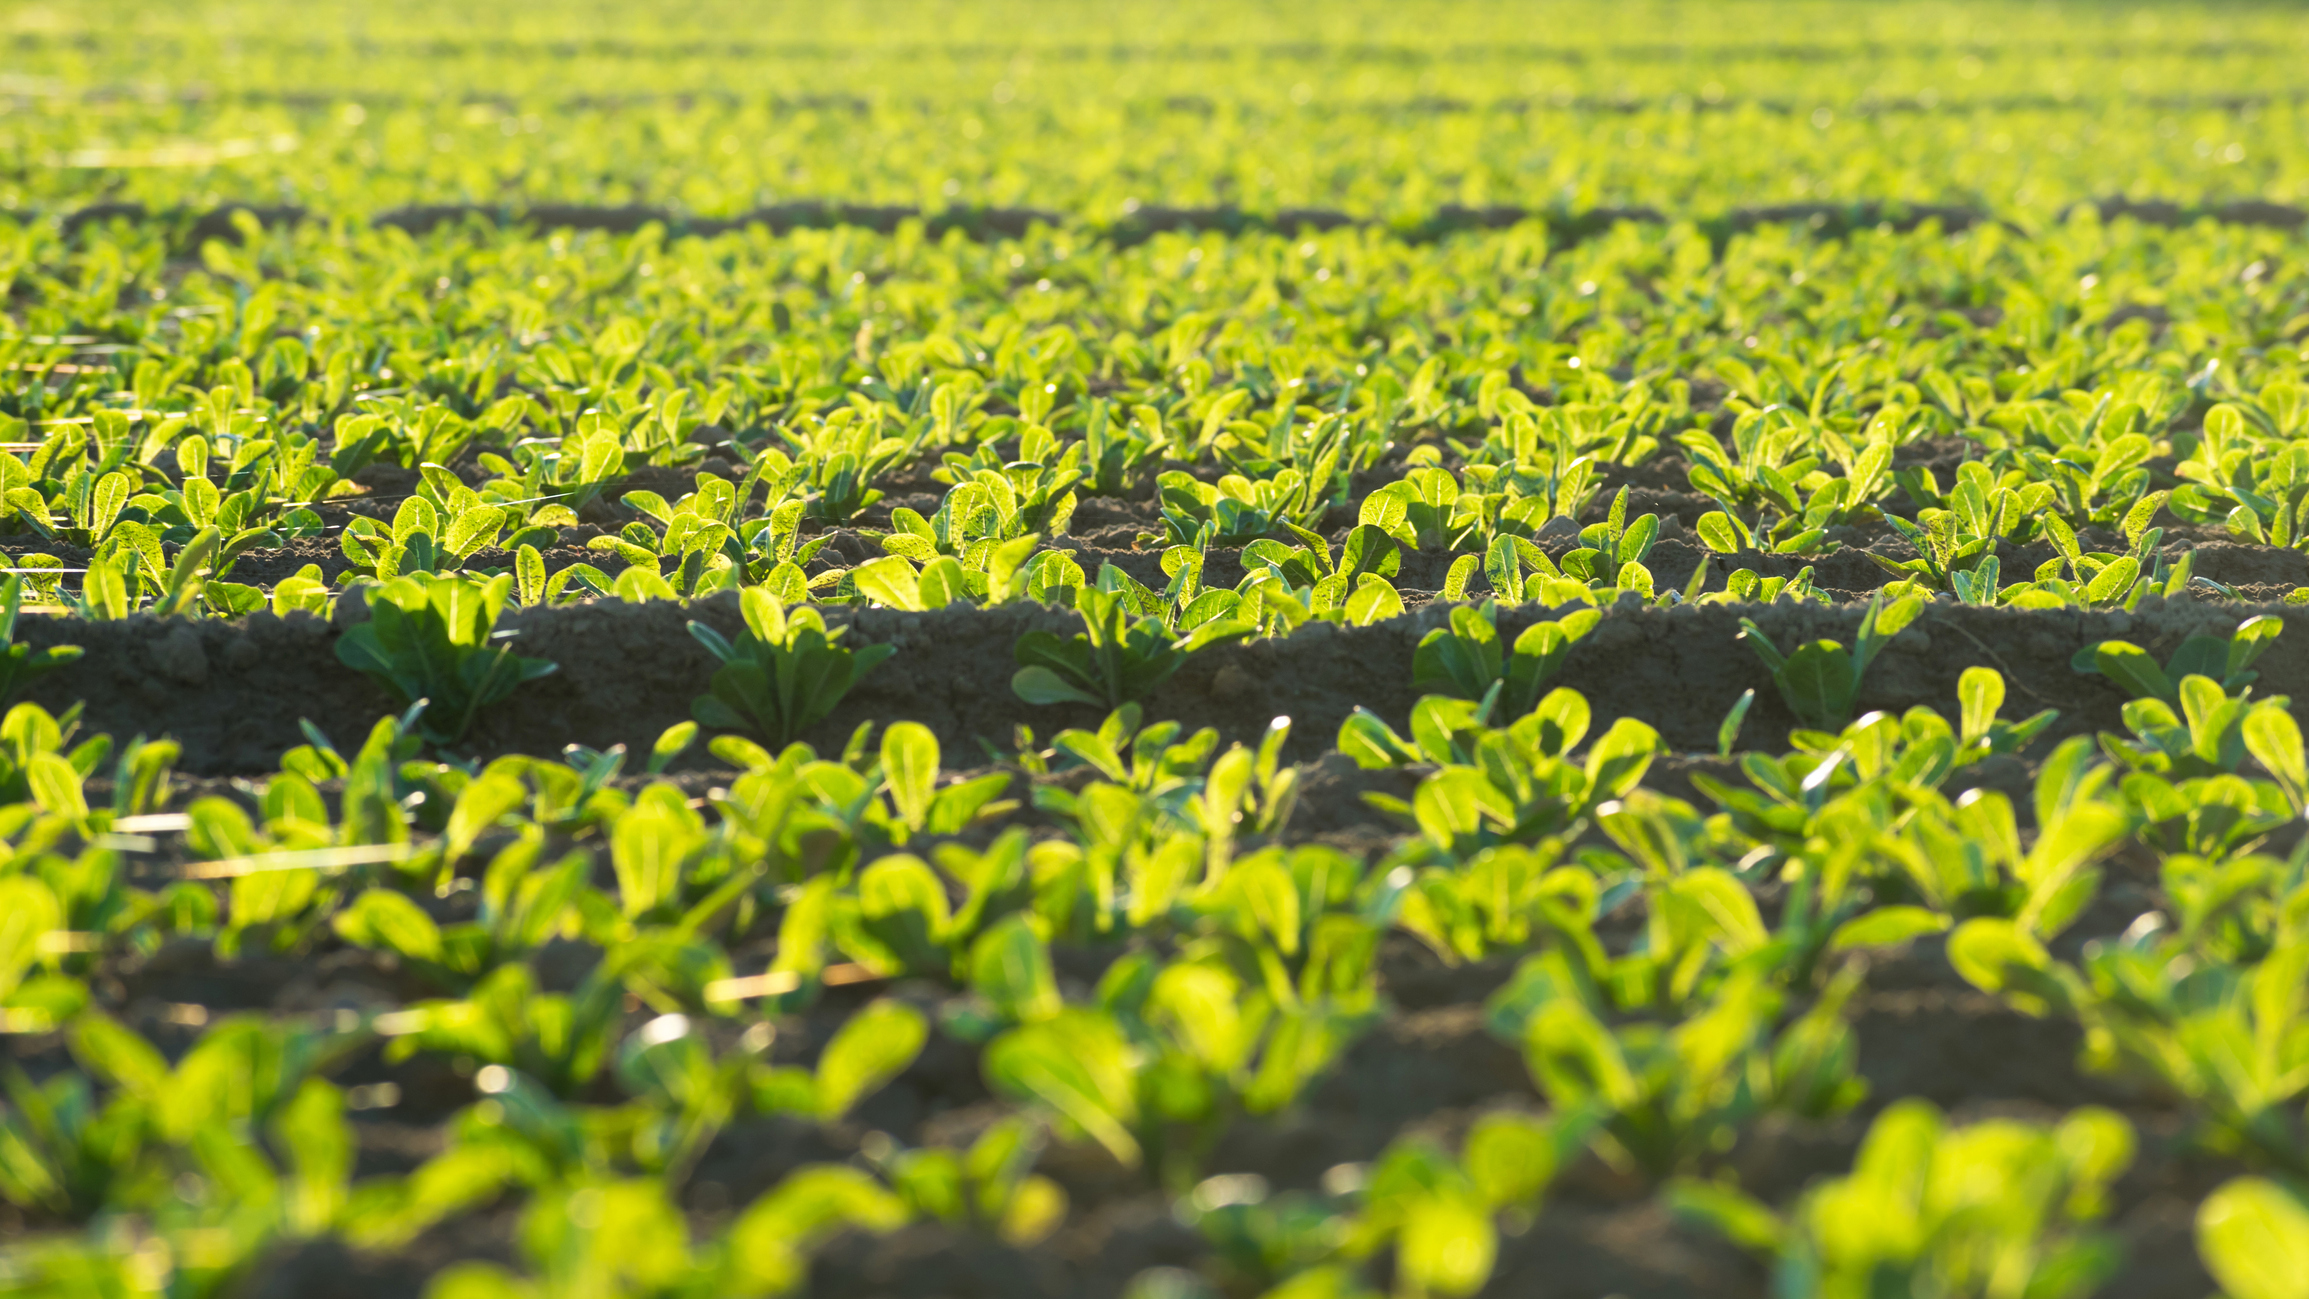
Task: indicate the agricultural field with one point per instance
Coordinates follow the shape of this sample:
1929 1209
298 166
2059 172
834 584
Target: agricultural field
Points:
1184 651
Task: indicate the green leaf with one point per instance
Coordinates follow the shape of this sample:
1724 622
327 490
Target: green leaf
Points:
1079 1064
2133 670
55 786
116 1054
1728 730
1455 581
384 919
1992 954
1374 600
1979 696
1740 1218
769 1244
910 769
1446 1247
1818 684
2252 638
2274 739
1040 685
1616 763
2254 1237
1719 533
902 906
1774 661
1010 967
1887 927
1213 632
1371 744
1719 907
890 581
312 1129
1510 1158
871 1048
28 912
671 743
2113 581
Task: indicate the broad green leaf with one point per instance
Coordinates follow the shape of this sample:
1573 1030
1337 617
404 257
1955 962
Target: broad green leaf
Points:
1818 685
1616 763
872 1047
1447 1247
1040 685
56 786
1994 955
2133 670
1979 695
910 769
1010 967
1510 1158
2254 1237
382 918
1078 1064
29 911
1887 927
902 904
2274 739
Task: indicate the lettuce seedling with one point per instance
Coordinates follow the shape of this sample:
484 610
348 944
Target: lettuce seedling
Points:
784 674
1463 660
21 665
845 452
596 1235
1821 680
1980 696
1997 1207
522 906
2225 1036
1115 660
429 638
2227 663
871 1048
1509 785
992 1185
1669 1093
1192 1043
559 1040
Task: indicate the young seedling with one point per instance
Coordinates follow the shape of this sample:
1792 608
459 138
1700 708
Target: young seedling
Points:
2226 662
1728 730
21 664
1463 660
1606 549
1997 1207
785 673
1980 695
1820 680
1116 659
992 1186
429 638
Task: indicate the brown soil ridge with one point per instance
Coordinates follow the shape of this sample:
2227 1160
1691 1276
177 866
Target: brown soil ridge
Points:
233 692
197 226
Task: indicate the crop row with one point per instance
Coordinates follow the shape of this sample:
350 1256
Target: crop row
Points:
1366 424
1660 1006
1026 106
1672 160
